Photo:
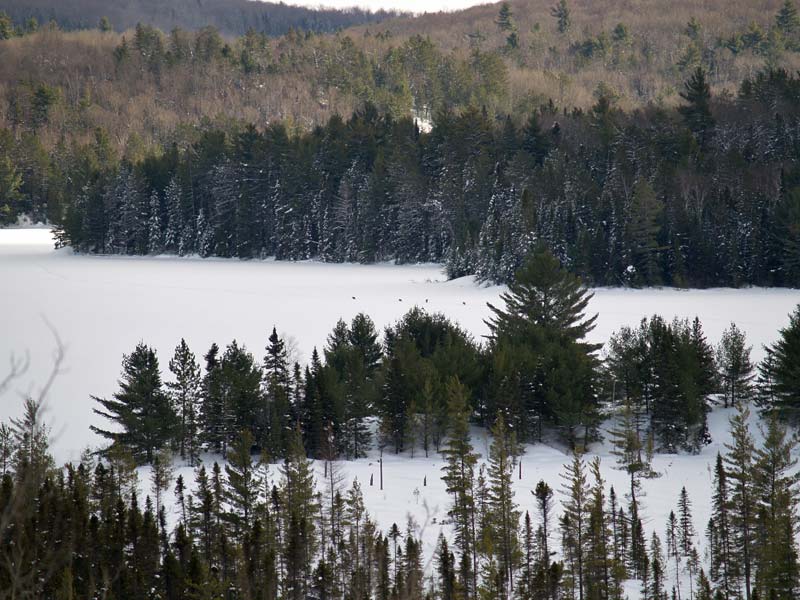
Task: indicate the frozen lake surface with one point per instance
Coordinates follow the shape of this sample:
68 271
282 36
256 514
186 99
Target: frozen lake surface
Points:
101 306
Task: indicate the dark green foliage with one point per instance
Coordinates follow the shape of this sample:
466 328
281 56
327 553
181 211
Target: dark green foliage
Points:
666 373
620 199
541 361
141 408
736 370
697 112
780 373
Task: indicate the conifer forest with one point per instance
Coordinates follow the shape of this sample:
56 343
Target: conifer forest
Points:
545 151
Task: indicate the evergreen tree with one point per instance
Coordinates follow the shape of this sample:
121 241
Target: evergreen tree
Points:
243 485
787 19
278 389
543 319
459 478
574 526
299 499
185 393
161 475
775 487
503 511
140 408
697 112
561 14
155 233
30 439
686 530
736 370
739 461
781 381
213 411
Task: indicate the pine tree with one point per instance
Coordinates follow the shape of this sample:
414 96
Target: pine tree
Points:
780 383
242 400
697 112
739 462
574 525
459 478
736 370
561 14
503 511
686 530
243 485
140 408
185 392
299 499
543 318
775 487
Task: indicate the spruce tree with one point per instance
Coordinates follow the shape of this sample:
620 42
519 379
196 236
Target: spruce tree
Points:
213 411
686 530
278 389
725 567
299 498
561 13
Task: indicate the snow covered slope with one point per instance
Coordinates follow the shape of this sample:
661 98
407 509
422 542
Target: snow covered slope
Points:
101 307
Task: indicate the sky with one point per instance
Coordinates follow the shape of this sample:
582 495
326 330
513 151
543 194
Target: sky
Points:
416 6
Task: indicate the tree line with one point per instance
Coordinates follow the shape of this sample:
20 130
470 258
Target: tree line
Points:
230 17
536 370
256 529
703 195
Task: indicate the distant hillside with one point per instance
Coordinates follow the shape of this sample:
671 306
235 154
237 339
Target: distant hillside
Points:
231 17
139 86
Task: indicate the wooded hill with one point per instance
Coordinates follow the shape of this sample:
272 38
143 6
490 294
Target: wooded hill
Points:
510 59
231 17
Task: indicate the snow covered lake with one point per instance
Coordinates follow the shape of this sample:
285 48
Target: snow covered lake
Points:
100 307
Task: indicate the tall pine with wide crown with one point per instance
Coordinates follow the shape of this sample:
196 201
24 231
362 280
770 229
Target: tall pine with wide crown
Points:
543 327
141 409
